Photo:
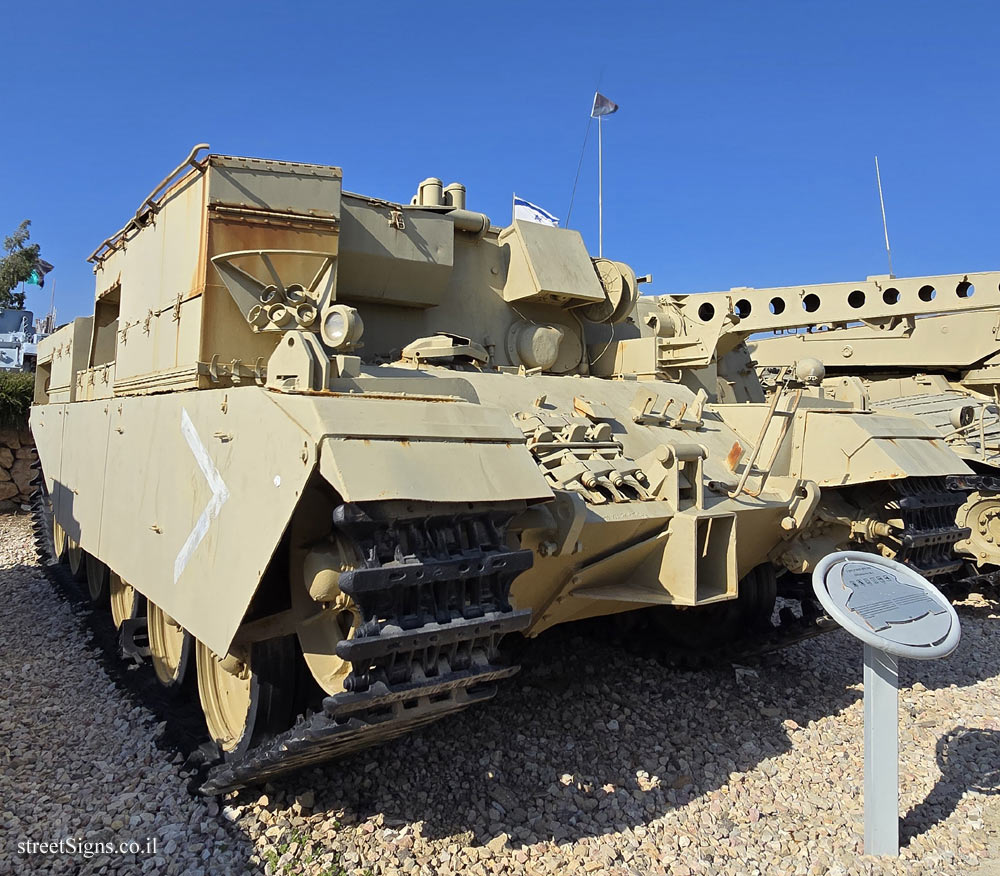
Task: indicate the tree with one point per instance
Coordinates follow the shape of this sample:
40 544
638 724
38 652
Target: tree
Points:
17 265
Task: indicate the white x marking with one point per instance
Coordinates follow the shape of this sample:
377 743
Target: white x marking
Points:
220 493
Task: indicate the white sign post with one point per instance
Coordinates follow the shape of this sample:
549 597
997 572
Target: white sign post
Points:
896 613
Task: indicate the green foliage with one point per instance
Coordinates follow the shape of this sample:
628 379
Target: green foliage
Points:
304 855
16 266
17 389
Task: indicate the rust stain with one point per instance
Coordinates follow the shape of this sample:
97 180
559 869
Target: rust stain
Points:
383 396
734 456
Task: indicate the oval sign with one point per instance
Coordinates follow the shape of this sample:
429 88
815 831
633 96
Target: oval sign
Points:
887 605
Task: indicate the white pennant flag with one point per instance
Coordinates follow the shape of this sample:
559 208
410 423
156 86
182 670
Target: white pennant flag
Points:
603 106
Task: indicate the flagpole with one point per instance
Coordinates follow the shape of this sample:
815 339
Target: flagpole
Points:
600 188
885 227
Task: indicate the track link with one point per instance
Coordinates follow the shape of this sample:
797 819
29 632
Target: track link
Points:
790 629
433 593
434 599
928 507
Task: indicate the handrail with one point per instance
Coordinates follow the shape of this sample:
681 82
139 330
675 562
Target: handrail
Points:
150 204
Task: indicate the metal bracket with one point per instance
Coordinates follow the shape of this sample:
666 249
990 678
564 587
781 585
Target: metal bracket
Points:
127 633
688 416
676 474
278 305
235 371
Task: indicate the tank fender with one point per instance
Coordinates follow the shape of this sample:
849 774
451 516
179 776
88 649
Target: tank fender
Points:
192 498
870 447
440 450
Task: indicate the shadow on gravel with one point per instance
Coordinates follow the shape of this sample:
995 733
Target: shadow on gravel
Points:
969 760
588 740
977 657
185 726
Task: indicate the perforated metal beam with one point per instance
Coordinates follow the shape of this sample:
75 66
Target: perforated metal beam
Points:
877 298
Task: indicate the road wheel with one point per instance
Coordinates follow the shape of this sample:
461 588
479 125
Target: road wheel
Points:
170 647
125 601
60 542
77 559
248 694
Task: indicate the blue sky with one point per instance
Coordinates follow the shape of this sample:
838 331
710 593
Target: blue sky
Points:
742 153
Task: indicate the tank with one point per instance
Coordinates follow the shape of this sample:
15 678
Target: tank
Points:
326 451
923 347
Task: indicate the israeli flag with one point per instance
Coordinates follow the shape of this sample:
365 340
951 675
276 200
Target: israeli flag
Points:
532 212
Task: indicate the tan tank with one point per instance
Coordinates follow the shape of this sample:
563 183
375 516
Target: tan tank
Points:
924 347
310 435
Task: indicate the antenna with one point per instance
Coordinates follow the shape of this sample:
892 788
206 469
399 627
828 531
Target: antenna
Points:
885 227
583 150
600 190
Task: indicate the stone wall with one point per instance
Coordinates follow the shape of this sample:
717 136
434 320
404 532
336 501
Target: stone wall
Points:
17 452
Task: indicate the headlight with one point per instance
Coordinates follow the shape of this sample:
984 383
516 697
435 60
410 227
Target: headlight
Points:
342 327
335 328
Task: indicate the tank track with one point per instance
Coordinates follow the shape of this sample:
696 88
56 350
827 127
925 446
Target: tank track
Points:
970 483
433 594
434 601
980 580
352 721
928 507
791 629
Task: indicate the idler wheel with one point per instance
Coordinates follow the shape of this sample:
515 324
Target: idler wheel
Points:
60 542
125 601
170 647
702 628
248 693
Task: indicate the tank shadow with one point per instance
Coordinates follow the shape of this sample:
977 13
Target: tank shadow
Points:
974 660
588 739
969 760
584 741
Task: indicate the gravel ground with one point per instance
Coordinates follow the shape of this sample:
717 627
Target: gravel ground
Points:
591 761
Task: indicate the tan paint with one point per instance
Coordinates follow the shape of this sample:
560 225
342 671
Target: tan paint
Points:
179 444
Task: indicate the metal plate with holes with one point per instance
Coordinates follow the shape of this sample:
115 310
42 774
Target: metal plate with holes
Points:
887 605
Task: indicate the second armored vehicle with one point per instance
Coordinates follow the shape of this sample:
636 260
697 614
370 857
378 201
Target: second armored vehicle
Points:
924 347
